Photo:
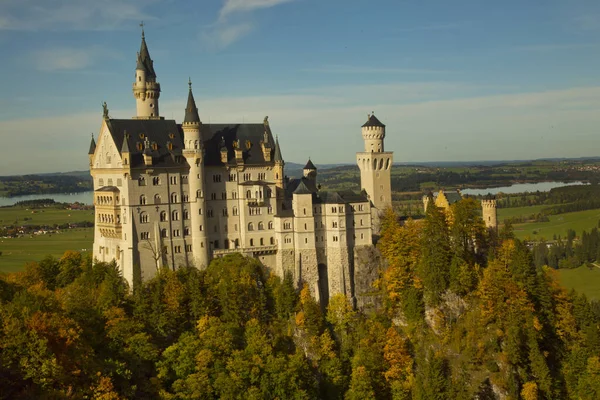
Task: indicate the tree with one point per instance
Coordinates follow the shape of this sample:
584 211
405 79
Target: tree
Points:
434 267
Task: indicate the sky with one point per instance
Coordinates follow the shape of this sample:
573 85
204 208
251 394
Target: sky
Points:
457 80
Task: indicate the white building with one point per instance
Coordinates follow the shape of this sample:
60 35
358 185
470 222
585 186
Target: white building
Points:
171 195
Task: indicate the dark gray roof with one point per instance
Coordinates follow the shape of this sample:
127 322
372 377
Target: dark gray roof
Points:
251 183
277 156
453 197
373 121
354 197
108 189
302 188
216 136
144 61
125 147
191 111
92 149
341 197
249 136
310 165
293 184
159 131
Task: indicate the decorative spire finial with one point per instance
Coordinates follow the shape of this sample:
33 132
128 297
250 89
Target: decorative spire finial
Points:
92 135
142 25
104 110
190 83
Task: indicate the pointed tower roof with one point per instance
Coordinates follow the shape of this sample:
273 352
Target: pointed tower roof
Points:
191 111
302 188
92 146
277 156
125 147
373 121
310 165
144 62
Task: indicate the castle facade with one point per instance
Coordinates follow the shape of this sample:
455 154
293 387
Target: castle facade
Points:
170 194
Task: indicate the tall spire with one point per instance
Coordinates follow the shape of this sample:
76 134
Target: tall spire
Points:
92 146
277 156
144 62
191 111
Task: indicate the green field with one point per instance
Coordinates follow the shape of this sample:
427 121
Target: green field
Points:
16 252
583 280
43 216
558 224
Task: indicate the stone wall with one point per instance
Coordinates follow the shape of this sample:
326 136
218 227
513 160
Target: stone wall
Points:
368 264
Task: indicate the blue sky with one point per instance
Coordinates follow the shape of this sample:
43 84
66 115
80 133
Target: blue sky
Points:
452 80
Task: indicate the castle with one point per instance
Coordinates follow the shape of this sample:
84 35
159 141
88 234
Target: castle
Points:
445 200
171 195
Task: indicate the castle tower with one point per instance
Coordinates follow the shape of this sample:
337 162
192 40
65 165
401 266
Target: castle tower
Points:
488 208
145 88
279 164
194 154
304 235
310 171
375 164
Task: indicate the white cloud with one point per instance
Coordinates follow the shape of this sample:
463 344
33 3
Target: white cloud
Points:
242 6
425 122
67 58
62 15
222 35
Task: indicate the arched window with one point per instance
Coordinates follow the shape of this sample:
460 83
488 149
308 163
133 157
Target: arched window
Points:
272 240
198 193
156 181
262 242
164 233
142 199
251 242
248 194
381 164
141 181
157 199
270 225
261 226
250 226
144 218
235 211
186 214
174 197
175 215
163 216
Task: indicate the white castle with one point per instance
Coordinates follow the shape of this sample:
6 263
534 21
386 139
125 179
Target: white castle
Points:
172 195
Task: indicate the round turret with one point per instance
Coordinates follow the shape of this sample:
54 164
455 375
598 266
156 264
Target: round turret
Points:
373 133
489 214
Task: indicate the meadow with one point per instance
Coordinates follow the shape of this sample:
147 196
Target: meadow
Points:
43 216
558 224
18 251
583 280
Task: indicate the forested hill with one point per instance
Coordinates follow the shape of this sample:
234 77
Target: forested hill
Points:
464 314
19 185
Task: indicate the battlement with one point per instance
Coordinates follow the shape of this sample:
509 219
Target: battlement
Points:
488 203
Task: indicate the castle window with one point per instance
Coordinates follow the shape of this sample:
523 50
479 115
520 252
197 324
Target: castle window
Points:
140 147
154 145
272 240
225 214
184 179
270 226
232 177
173 180
198 193
217 178
199 211
235 211
176 233
107 158
186 231
261 226
209 213
100 182
119 182
164 233
262 242
163 216
213 196
224 196
270 210
305 240
157 199
287 225
341 209
304 211
247 176
177 249
174 197
268 192
141 181
250 226
175 215
261 176
305 227
333 209
334 224
110 182
251 242
237 243
362 235
185 198
234 195
142 199
287 240
188 248
361 222
186 214
156 181
145 236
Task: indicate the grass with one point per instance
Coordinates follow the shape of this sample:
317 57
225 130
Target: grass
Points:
583 280
16 252
43 216
504 213
558 225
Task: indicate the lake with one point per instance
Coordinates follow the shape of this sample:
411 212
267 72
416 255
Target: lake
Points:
520 188
82 197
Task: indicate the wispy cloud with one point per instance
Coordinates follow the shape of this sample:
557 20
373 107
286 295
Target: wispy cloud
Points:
60 15
234 21
352 69
542 48
66 58
244 6
588 22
